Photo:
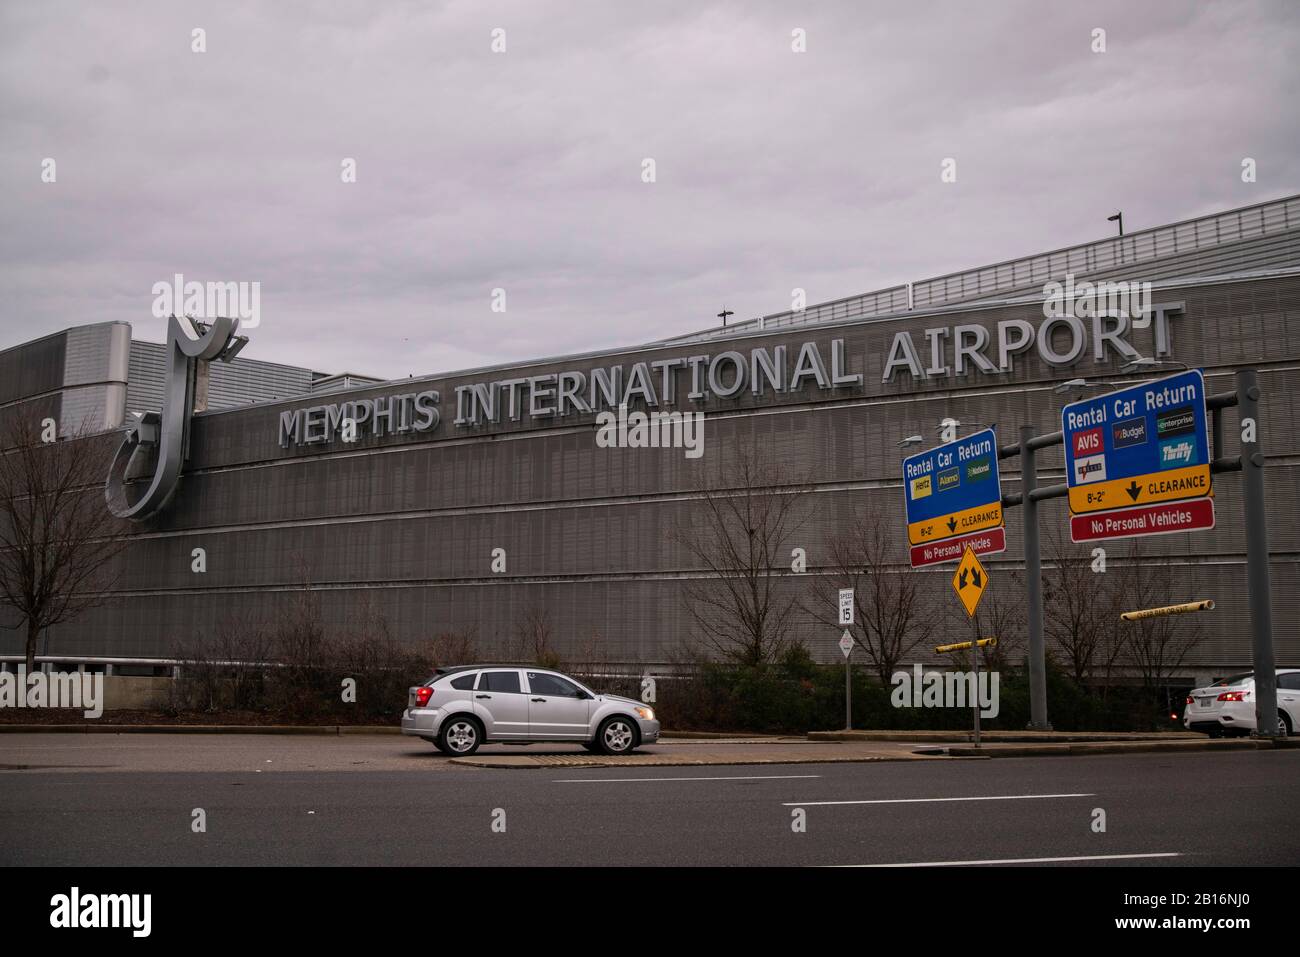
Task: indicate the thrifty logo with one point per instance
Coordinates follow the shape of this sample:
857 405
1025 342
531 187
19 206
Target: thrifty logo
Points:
1176 453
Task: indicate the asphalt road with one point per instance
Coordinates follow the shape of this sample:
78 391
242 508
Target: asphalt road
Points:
1205 808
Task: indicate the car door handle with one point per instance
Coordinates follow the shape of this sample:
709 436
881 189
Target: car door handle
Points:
482 696
543 700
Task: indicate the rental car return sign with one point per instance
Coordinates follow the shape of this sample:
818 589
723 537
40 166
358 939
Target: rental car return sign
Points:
1138 460
954 499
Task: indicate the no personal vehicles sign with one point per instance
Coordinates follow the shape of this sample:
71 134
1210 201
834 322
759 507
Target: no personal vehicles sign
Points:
954 498
1138 460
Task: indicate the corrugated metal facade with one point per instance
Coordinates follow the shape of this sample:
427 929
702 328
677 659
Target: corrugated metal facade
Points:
232 384
404 525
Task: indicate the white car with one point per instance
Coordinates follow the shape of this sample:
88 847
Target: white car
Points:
462 707
1227 707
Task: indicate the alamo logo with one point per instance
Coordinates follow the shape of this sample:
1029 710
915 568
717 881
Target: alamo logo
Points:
979 469
1177 453
949 478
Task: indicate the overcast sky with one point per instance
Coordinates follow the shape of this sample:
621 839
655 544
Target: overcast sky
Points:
522 170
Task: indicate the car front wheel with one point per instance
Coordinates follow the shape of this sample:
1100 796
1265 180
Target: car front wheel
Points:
459 737
618 735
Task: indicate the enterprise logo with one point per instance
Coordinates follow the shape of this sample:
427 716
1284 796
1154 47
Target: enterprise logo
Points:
1177 453
1177 421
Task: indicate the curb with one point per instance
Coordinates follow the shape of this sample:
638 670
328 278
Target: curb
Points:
323 729
1016 737
720 735
1144 747
520 762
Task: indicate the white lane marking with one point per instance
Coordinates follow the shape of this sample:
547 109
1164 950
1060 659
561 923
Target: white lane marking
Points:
995 797
1021 860
752 777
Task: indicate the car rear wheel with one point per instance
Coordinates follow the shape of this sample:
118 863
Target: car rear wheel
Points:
460 736
618 735
1284 724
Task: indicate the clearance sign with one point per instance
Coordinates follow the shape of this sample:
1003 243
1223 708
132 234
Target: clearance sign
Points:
1138 460
954 499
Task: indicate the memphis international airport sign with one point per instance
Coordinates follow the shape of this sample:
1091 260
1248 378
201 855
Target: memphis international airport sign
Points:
1138 460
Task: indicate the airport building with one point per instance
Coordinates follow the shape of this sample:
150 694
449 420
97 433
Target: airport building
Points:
470 502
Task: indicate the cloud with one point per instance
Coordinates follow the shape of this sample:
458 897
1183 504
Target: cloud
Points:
522 170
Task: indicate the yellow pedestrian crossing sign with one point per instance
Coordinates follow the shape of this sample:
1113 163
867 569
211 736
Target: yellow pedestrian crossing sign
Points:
969 581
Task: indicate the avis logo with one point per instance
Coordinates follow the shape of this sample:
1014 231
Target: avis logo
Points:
1178 452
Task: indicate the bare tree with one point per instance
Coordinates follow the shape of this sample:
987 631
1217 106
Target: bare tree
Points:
533 639
57 537
1001 615
890 618
1078 606
454 647
1156 647
743 528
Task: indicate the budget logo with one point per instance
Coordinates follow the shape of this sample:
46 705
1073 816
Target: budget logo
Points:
949 478
1128 433
1177 453
1178 421
1087 442
979 469
1090 469
921 486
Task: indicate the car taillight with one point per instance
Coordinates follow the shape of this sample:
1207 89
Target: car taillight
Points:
1189 700
422 696
1234 696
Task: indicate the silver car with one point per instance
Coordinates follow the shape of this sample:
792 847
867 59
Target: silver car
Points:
460 708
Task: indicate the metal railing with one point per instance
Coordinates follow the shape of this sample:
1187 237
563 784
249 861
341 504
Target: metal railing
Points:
1133 250
1143 246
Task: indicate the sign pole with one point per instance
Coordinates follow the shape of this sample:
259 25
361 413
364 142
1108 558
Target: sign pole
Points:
1034 582
975 658
848 693
1257 577
847 613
